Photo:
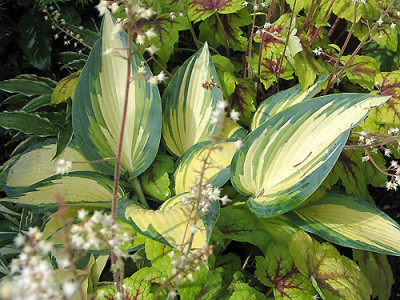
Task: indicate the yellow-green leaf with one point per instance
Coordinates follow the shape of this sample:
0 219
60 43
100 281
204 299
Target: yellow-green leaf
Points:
171 225
187 106
335 277
75 188
377 268
36 164
283 100
349 222
99 104
219 158
65 88
286 158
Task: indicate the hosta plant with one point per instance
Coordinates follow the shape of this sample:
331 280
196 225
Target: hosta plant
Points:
190 181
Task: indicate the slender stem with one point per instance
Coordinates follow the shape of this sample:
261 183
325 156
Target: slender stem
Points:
376 165
119 150
323 19
225 35
355 52
139 192
196 41
68 249
332 78
159 64
247 69
286 42
307 17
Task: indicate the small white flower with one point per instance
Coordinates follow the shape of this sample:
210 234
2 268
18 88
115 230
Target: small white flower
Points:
147 13
102 7
388 152
381 36
393 130
150 33
172 15
141 70
161 76
108 51
82 214
394 164
63 263
369 141
365 158
19 240
393 25
225 200
221 104
140 39
391 185
172 295
114 7
398 13
152 80
380 21
245 3
152 49
238 144
317 51
69 288
193 228
234 115
63 166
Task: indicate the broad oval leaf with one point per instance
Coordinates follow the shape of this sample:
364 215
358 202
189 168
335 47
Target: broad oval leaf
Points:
171 225
335 277
65 88
188 106
219 157
36 164
286 158
79 188
277 270
285 99
99 101
350 222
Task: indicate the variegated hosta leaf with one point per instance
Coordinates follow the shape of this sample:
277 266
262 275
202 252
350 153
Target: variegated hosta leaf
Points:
285 99
77 188
286 158
36 165
171 224
349 222
232 130
99 101
188 106
218 157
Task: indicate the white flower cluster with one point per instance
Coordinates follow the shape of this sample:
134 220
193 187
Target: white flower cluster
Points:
59 25
184 266
206 194
95 232
219 113
63 166
33 276
380 142
394 182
